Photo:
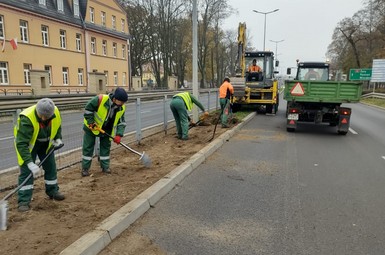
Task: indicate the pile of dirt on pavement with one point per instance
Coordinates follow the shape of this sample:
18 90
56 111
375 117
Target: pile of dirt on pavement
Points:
51 226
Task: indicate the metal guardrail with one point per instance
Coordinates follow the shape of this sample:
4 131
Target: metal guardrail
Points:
374 95
9 104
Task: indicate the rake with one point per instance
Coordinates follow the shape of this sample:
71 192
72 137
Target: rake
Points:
144 158
4 202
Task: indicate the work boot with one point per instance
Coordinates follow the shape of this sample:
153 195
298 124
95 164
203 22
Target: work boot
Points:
57 196
106 170
23 208
85 172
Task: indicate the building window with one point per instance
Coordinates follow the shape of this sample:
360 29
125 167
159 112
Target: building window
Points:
63 39
49 69
93 45
76 8
24 31
113 21
42 2
124 79
106 75
123 24
65 75
2 27
114 49
123 51
104 48
60 6
3 73
80 76
44 35
78 42
27 74
92 15
115 78
103 15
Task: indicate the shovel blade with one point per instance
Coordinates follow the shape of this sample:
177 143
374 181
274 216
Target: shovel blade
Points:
3 214
145 159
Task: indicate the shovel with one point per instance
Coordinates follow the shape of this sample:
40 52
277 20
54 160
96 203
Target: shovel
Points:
4 202
144 158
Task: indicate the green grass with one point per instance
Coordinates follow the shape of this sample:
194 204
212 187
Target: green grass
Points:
374 101
241 115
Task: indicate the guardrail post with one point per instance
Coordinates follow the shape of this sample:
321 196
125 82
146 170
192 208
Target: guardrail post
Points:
216 101
165 114
16 116
138 122
208 102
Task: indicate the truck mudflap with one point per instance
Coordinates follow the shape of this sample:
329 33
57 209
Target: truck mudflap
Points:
292 119
344 120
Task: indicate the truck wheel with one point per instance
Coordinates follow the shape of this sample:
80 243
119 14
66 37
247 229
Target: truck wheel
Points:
269 108
342 132
290 129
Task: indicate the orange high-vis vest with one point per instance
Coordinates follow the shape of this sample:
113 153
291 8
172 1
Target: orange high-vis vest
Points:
226 86
253 68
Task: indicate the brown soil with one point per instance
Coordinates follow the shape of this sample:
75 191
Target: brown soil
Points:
51 226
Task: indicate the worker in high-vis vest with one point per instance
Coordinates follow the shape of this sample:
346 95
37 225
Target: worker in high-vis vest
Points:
105 112
180 104
37 131
226 91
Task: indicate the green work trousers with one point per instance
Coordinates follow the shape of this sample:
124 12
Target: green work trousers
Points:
50 174
88 150
178 108
225 109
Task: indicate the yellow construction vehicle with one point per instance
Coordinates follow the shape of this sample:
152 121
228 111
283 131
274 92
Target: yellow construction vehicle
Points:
254 86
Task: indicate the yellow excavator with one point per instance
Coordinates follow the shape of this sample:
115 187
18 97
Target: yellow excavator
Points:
254 88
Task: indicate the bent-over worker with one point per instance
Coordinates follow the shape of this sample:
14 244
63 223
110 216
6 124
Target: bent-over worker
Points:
180 104
226 90
37 131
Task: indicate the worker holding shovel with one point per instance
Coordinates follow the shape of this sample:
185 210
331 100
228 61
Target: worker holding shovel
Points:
37 131
180 104
226 90
104 112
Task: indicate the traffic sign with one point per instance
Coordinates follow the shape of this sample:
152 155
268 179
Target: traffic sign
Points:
297 90
378 70
360 74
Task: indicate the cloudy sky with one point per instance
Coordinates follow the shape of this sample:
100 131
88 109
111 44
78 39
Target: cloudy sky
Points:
306 26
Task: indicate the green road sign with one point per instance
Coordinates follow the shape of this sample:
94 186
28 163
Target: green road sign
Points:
360 74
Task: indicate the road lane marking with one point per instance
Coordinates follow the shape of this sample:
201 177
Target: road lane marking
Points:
6 138
352 131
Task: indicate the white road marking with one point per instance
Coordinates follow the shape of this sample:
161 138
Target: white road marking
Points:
352 131
145 111
6 138
383 157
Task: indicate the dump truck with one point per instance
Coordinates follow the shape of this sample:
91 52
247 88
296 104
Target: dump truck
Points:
312 97
254 88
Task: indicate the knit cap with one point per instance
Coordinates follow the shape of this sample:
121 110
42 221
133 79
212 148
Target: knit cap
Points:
121 94
45 107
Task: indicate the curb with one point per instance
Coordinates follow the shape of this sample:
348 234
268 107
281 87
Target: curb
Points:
96 240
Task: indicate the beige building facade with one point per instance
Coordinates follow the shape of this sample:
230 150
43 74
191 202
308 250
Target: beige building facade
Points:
68 39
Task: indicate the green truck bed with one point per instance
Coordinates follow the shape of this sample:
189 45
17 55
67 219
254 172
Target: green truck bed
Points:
323 91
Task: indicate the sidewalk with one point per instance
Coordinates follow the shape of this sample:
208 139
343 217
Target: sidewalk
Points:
96 240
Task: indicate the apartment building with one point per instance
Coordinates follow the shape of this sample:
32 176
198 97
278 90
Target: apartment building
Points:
68 39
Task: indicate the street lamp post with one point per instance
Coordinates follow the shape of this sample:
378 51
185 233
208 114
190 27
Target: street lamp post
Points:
264 31
276 47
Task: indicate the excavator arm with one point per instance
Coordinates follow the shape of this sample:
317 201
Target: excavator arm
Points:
240 63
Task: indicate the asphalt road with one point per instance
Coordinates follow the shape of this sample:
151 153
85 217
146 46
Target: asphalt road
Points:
267 191
151 113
